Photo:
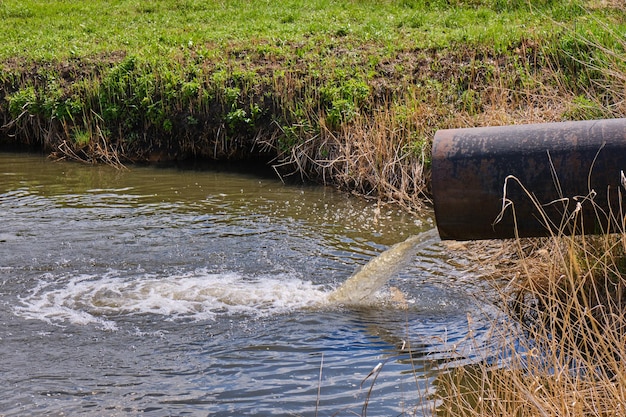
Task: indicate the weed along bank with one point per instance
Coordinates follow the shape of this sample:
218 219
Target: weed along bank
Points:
346 94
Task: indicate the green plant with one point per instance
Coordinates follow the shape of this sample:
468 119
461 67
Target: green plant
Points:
23 100
344 100
582 108
81 137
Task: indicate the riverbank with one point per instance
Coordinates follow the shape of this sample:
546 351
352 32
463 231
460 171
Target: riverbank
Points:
341 93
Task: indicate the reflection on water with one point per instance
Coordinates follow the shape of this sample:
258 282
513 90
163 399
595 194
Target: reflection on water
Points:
199 292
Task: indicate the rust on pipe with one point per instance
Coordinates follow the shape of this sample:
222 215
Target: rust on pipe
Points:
548 168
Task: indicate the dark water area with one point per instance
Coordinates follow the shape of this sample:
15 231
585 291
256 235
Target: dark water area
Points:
170 292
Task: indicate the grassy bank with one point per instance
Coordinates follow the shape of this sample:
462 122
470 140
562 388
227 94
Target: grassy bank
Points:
346 93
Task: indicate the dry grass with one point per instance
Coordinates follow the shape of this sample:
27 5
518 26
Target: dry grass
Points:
563 352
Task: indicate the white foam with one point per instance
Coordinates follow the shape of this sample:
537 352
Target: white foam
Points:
197 295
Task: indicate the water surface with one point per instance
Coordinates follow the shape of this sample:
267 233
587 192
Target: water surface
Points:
165 291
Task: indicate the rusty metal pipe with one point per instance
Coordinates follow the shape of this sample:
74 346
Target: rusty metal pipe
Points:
551 167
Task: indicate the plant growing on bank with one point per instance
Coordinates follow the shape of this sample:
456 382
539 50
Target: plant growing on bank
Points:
337 92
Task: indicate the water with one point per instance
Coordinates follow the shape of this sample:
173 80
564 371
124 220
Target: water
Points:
162 291
362 287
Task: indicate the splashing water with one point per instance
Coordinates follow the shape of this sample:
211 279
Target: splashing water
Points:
202 295
197 295
361 287
179 291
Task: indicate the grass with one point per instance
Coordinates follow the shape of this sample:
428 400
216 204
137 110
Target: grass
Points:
62 29
565 355
346 93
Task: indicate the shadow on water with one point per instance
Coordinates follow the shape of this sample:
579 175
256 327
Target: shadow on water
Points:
199 292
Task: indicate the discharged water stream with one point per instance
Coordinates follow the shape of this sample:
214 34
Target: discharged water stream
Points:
161 291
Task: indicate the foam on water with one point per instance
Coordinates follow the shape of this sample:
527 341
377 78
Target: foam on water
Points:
198 295
201 294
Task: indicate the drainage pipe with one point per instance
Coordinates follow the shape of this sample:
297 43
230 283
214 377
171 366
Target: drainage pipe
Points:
529 180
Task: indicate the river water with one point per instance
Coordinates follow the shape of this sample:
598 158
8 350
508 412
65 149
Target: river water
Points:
175 292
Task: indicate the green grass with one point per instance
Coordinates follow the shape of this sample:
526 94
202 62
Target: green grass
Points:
345 92
61 29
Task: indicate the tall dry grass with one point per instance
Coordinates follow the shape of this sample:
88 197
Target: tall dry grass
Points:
562 352
375 156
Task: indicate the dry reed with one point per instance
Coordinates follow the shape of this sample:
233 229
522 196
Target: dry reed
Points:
563 352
